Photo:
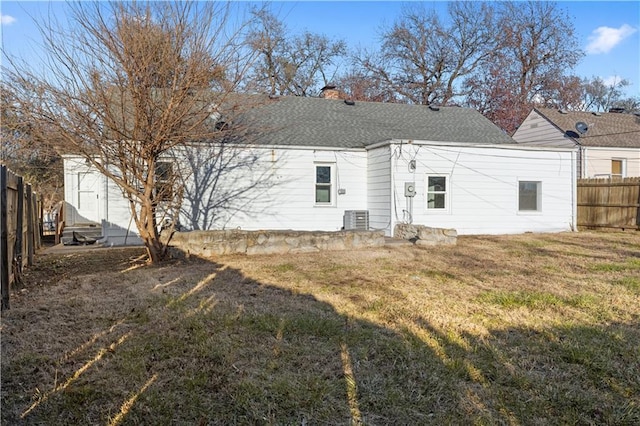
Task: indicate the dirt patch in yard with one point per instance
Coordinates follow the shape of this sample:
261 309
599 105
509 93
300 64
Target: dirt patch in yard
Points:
510 329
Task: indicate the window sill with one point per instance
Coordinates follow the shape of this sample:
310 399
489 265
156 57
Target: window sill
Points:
530 212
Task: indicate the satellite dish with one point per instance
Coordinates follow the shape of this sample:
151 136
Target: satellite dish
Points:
582 127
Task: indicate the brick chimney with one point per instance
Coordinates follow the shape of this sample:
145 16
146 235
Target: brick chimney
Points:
330 92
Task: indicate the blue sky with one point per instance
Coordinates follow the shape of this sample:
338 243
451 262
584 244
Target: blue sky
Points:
608 31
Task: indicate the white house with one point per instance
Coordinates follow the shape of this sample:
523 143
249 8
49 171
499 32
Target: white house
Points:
324 162
608 143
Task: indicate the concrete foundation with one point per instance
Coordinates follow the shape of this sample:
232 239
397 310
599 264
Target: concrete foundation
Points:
424 235
216 243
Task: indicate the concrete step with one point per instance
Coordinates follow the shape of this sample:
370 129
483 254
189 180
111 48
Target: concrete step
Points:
389 241
81 234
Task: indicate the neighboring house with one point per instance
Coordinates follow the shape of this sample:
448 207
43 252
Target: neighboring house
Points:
608 143
320 164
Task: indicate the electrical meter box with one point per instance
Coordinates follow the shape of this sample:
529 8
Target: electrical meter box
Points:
409 189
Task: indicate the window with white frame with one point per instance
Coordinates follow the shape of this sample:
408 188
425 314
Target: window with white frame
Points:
164 180
437 192
324 184
529 196
618 167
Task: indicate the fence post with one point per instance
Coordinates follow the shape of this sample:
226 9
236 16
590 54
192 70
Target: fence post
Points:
37 223
31 238
638 207
39 207
4 239
18 252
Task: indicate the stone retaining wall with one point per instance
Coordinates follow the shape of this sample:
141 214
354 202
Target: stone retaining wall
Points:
424 235
216 243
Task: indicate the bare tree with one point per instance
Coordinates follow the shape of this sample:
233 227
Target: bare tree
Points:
471 40
423 60
296 65
599 96
629 105
565 92
363 86
27 151
537 45
411 61
128 84
492 95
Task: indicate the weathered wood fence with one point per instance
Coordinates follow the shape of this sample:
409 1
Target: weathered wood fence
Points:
20 222
609 203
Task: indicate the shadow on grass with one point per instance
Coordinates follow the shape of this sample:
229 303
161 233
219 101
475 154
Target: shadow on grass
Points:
201 343
559 375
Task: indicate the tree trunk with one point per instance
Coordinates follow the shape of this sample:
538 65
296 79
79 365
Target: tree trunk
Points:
146 223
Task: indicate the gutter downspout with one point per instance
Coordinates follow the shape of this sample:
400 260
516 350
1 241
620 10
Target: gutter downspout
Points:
105 215
392 191
574 189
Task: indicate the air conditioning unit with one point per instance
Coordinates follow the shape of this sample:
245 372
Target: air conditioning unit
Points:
356 220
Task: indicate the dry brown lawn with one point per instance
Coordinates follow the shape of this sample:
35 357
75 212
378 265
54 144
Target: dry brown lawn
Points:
527 329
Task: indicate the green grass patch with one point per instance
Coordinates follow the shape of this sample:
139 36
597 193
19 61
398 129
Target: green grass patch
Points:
630 283
517 299
629 265
537 300
284 267
437 275
583 301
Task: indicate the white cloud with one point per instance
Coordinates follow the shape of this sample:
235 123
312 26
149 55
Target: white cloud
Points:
612 80
603 39
7 19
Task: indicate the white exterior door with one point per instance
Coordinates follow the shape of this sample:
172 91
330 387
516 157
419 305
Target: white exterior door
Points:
89 187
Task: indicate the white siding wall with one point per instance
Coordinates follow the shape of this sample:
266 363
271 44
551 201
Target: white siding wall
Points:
379 199
70 169
483 188
285 199
111 210
598 161
118 226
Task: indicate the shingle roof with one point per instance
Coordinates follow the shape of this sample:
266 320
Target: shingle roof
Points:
298 121
606 130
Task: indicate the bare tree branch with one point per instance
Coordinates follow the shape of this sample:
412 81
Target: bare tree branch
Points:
297 65
128 84
423 60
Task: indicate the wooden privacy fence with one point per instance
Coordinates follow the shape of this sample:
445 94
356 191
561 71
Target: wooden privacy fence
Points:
609 203
20 215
